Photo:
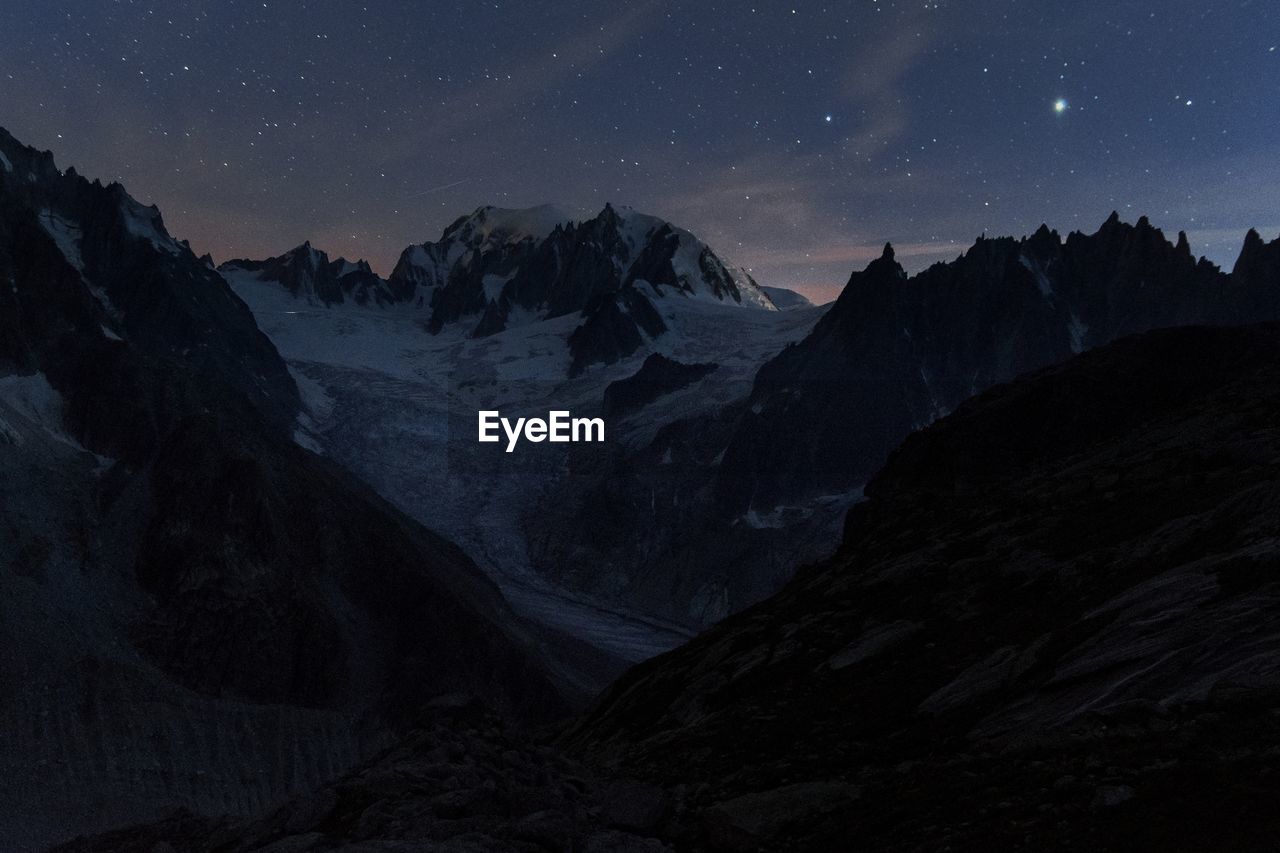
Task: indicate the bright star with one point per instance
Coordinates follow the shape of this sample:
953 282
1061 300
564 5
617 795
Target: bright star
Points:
828 119
1060 105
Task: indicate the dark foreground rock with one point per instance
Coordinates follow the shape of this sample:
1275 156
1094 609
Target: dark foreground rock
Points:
1053 625
460 782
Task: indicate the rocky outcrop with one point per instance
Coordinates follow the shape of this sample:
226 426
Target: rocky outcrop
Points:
657 377
308 274
84 267
1054 623
615 326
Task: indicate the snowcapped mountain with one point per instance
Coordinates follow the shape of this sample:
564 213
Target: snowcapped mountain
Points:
621 272
501 267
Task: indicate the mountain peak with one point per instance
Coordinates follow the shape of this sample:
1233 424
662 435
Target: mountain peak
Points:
1184 245
309 273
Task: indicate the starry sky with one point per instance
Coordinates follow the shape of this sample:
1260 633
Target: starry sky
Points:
796 138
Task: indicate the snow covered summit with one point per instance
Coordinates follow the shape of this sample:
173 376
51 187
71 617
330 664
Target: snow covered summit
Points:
499 267
621 271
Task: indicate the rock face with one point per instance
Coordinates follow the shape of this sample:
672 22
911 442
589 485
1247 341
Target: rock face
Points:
194 610
309 274
894 354
1054 624
83 266
658 375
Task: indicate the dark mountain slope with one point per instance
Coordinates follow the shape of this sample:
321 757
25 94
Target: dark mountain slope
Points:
657 377
109 270
893 354
193 609
460 781
714 513
1054 624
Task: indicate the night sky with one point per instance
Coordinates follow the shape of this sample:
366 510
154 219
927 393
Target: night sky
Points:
796 138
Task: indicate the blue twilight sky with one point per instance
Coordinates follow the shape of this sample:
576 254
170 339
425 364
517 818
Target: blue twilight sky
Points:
796 138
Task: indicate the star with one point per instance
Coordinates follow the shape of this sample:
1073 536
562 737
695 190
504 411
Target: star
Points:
1060 105
827 118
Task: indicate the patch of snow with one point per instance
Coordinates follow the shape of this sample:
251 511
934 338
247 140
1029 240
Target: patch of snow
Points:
65 234
418 257
497 225
767 521
35 400
1077 330
4 161
9 434
109 335
316 402
305 441
784 299
144 223
1042 280
317 406
493 284
636 230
